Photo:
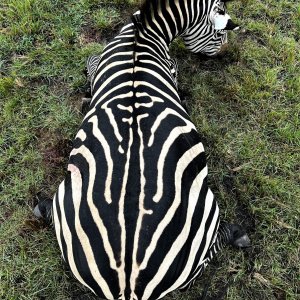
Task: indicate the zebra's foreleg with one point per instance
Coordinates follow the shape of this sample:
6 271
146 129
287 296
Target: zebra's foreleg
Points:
43 210
228 234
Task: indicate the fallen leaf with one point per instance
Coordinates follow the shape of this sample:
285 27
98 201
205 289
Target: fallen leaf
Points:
261 279
236 169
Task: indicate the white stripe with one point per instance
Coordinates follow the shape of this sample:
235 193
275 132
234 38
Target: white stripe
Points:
142 210
68 236
172 17
197 31
107 81
161 117
127 108
57 226
109 110
126 27
121 217
110 164
209 235
163 64
187 23
123 35
81 135
174 134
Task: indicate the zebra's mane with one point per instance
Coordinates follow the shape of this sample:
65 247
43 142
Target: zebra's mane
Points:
146 8
147 5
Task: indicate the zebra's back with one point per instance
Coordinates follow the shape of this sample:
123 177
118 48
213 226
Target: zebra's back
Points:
134 216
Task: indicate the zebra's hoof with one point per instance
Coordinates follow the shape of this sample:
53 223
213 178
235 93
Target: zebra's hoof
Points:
242 242
43 210
37 212
239 237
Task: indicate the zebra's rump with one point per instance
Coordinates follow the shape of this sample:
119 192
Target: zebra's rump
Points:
133 220
134 217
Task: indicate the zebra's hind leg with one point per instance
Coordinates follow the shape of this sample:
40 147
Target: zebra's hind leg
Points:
228 234
43 210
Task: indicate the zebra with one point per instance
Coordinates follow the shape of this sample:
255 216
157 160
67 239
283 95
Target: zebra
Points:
134 217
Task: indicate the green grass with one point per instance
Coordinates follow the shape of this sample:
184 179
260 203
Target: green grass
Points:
246 108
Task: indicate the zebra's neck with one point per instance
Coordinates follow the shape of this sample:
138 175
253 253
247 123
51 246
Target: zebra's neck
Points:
165 19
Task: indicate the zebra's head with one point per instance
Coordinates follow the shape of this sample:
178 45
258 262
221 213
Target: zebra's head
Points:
208 34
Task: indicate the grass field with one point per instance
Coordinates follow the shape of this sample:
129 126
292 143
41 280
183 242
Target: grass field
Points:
246 107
